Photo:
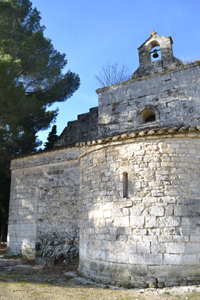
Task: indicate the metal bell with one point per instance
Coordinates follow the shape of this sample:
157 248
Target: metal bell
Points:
155 53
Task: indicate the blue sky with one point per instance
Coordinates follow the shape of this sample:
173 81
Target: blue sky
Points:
92 33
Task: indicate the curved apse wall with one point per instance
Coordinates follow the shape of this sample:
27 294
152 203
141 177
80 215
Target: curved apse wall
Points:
151 238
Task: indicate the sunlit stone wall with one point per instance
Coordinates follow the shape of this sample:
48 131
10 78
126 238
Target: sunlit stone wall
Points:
152 237
43 203
173 95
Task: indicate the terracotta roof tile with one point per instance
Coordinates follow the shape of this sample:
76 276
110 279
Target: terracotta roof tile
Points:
128 135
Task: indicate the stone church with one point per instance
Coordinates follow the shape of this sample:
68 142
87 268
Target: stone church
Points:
121 188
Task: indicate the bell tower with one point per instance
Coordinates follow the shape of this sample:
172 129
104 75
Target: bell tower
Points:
156 55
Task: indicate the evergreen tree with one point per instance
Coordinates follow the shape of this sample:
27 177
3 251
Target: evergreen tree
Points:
52 137
31 80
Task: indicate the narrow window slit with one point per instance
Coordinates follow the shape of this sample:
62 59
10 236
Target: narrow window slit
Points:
125 185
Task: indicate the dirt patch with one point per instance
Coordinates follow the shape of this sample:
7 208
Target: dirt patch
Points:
2 250
21 279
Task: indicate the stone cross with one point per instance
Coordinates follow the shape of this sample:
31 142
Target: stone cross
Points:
153 33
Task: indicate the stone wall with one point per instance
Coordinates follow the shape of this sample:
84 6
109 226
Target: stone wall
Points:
44 204
81 130
152 237
173 95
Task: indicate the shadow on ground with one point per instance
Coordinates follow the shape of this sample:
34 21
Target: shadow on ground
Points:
21 279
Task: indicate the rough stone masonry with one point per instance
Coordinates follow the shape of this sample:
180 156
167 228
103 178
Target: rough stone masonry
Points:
121 187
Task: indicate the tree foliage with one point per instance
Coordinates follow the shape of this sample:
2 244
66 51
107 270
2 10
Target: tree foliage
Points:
112 73
52 137
31 80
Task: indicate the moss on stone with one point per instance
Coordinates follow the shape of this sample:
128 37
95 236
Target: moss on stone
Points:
126 285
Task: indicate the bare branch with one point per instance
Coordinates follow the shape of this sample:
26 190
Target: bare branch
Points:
188 60
112 73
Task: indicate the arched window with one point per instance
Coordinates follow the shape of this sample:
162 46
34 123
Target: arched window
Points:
147 115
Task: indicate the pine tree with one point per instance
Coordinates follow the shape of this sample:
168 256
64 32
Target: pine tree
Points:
31 80
52 137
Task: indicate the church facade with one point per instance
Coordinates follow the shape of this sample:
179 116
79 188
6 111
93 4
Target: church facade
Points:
121 187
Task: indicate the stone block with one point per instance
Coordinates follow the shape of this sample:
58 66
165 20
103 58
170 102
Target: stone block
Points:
143 247
112 230
150 238
100 236
171 259
95 214
122 257
169 210
189 230
118 246
171 231
189 259
153 259
126 212
137 210
169 199
91 254
150 221
180 210
168 221
123 204
107 213
117 213
111 257
100 254
175 248
121 221
185 222
194 192
136 259
195 238
130 247
154 231
137 221
170 282
157 248
180 238
135 238
108 205
192 247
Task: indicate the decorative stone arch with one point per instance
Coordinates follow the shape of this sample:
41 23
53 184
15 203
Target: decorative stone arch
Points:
149 114
151 46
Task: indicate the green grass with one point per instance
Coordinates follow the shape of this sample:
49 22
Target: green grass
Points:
166 293
22 283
